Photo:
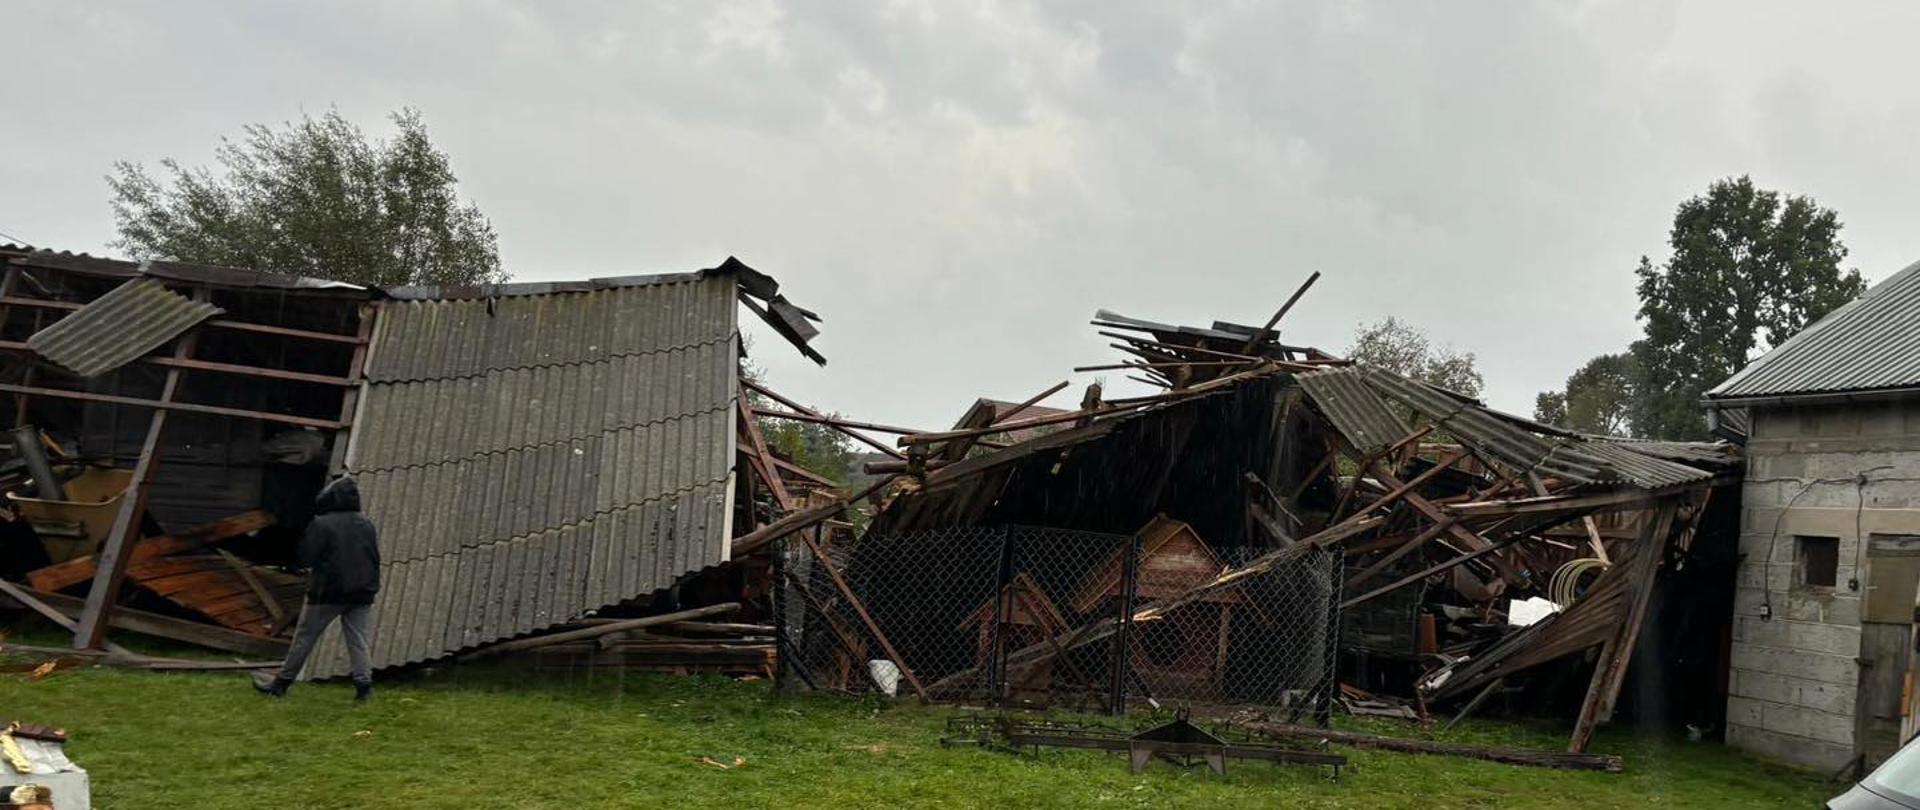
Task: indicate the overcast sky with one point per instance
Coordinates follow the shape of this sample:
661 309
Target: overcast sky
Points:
956 187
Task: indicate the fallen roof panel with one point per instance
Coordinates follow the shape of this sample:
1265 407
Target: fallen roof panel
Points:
1353 407
125 323
532 458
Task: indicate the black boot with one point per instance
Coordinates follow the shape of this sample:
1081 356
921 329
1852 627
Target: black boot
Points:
362 691
271 687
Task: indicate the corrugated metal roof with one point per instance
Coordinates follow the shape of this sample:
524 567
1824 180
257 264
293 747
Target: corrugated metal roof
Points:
1872 342
1490 433
532 458
110 331
1353 407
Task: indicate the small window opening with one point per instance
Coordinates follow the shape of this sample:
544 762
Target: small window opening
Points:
1817 561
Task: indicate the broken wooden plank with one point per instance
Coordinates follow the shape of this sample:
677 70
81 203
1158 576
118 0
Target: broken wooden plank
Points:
1260 336
1611 667
821 559
802 409
129 660
113 557
1511 756
747 543
80 569
245 572
154 624
597 631
763 458
31 601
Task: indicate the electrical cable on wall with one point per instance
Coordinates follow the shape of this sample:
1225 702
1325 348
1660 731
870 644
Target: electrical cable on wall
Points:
1860 481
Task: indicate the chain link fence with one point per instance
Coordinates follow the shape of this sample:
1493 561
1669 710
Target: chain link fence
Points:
1033 617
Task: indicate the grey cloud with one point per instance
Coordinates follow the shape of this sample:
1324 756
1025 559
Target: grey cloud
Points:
957 187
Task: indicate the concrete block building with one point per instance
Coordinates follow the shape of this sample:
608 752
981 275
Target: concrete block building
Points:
1822 632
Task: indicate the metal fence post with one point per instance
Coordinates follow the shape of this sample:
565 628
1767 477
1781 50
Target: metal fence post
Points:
1330 686
782 666
997 690
1117 702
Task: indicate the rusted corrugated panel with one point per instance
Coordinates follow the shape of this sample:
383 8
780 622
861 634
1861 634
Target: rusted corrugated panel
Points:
1353 407
1567 458
109 332
531 458
1871 343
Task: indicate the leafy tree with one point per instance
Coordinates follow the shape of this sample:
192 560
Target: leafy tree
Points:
1599 398
1394 345
1550 407
314 198
1748 265
820 449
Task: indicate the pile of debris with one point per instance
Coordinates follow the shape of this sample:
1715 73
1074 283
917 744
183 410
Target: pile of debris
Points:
577 474
1444 510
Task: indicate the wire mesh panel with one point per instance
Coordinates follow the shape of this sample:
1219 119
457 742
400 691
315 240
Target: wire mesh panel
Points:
1040 617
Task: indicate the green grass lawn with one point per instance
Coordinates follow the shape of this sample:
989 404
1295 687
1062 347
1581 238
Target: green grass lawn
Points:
478 738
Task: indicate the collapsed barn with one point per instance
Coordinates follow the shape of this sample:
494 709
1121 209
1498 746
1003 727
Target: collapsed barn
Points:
575 473
1313 498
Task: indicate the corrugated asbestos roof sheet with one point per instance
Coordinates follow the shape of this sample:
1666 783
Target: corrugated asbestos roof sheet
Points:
1353 407
214 275
531 458
110 331
1343 395
1873 342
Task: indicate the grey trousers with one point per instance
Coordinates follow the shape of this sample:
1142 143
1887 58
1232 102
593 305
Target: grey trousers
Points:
356 624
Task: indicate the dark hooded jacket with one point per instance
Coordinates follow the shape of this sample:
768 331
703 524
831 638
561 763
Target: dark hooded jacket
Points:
341 549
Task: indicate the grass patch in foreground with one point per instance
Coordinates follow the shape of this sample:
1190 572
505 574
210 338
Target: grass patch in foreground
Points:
476 738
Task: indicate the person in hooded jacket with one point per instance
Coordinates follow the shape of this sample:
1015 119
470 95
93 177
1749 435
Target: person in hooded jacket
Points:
341 550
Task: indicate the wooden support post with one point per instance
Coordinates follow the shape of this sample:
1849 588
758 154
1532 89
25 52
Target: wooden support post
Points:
1611 667
350 400
763 458
821 559
110 569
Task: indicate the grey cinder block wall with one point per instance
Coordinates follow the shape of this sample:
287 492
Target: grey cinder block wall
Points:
1794 684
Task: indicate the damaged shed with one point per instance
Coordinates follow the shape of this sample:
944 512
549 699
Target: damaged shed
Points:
531 452
1314 487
